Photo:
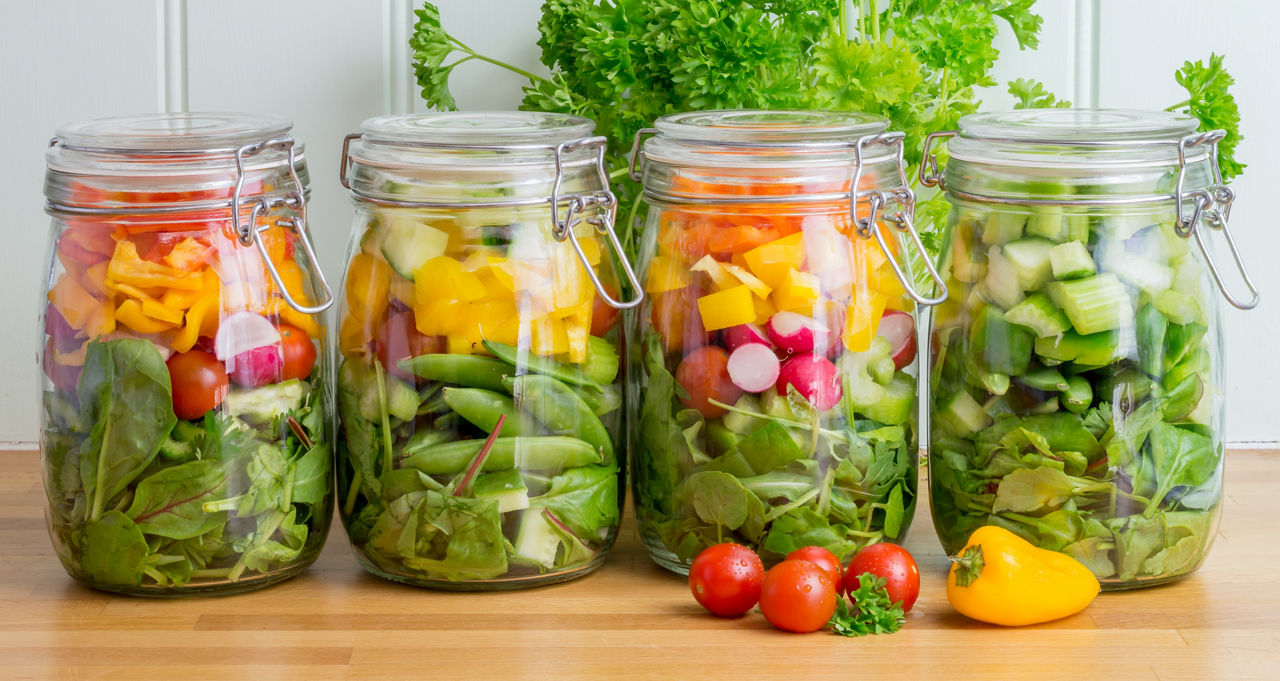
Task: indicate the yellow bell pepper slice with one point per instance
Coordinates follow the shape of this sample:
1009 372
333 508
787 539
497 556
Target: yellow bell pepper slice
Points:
549 337
367 287
727 308
720 278
155 310
131 315
189 255
798 292
438 317
443 278
101 322
771 262
186 337
127 268
666 273
764 310
862 320
72 301
404 291
180 300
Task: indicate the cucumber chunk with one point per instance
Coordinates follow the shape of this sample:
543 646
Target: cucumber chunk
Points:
507 488
1006 347
962 415
1071 261
408 242
1001 285
536 540
1039 314
1002 228
1030 260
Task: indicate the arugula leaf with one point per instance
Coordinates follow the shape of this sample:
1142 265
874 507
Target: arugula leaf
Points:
718 498
769 447
1181 458
1210 100
1031 94
871 613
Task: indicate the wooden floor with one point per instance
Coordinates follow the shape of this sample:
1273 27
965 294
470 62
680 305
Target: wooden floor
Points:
628 620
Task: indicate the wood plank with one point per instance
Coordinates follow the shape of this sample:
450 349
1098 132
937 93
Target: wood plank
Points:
629 620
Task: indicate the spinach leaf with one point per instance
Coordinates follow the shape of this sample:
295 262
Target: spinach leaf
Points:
125 393
1137 538
1054 531
894 513
1041 489
768 447
584 498
719 499
1181 458
453 538
804 527
1095 554
265 551
362 434
113 550
311 476
169 503
659 438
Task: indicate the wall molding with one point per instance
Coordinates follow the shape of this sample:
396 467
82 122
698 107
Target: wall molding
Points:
1086 29
171 55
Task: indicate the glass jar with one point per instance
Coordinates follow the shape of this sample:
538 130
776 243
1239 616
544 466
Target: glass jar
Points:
1077 395
773 362
479 387
184 434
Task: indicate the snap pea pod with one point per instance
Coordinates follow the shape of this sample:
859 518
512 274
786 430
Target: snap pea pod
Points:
545 453
560 409
464 370
539 364
483 407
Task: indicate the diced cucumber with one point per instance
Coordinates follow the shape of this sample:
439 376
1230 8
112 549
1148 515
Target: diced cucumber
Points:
1178 307
1030 259
1039 314
1188 277
536 540
1048 222
507 488
1096 349
1098 303
371 240
743 423
1071 261
1006 348
775 405
962 415
409 242
1002 228
722 439
1001 286
897 405
262 404
1147 275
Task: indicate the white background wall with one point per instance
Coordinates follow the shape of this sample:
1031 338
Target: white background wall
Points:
328 64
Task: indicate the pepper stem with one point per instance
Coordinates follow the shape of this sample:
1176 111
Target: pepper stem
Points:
969 565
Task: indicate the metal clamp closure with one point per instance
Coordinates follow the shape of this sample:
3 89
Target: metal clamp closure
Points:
634 171
249 231
869 226
930 174
603 223
1211 206
344 162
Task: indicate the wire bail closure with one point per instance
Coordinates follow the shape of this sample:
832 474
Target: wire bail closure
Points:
249 232
903 219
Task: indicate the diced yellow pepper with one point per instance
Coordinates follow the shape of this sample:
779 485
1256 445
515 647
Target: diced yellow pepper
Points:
727 308
498 320
761 289
862 320
578 329
771 262
127 268
887 282
189 255
548 337
764 310
180 300
72 301
130 314
798 292
368 285
101 322
354 335
666 273
294 281
438 317
571 283
591 248
305 322
461 344
443 278
902 303
155 310
720 277
206 306
502 274
95 279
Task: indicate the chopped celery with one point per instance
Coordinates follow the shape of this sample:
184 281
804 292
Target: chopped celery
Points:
897 405
1001 286
1071 261
1179 308
741 422
1002 228
1139 272
860 371
1030 259
962 415
1099 303
1047 222
1151 329
1005 347
1096 349
1040 315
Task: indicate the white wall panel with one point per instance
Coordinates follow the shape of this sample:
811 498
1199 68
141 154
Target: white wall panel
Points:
61 62
1141 45
1052 63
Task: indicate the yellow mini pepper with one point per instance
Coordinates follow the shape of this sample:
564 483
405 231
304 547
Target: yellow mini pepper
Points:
1002 578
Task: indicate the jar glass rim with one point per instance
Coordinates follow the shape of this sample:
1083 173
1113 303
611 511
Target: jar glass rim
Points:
1045 126
200 132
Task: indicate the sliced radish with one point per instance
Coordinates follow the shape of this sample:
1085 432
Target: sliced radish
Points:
795 333
899 329
816 378
259 366
743 334
753 367
243 331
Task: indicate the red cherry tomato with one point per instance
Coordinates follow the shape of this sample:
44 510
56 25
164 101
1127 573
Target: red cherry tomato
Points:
299 352
823 559
199 383
399 339
726 579
894 564
704 373
798 596
677 319
604 315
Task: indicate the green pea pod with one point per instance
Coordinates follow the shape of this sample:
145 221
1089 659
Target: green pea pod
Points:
540 365
547 453
483 407
560 409
464 370
1078 395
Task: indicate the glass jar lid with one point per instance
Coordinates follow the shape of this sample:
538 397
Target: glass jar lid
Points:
170 160
763 139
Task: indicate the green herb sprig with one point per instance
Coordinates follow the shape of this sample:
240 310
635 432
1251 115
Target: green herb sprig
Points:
871 613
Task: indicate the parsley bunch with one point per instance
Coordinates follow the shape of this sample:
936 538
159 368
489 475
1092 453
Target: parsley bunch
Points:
871 613
624 63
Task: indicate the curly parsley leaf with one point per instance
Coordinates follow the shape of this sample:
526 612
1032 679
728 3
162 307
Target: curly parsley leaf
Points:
431 46
1032 94
871 613
1210 101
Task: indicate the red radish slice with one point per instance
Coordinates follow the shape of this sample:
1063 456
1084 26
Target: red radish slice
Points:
795 333
744 334
256 367
899 329
753 367
243 331
817 379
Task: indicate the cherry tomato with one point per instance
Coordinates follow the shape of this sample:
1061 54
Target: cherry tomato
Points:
604 315
704 373
199 383
400 339
676 317
299 352
65 377
798 596
726 578
823 559
894 564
